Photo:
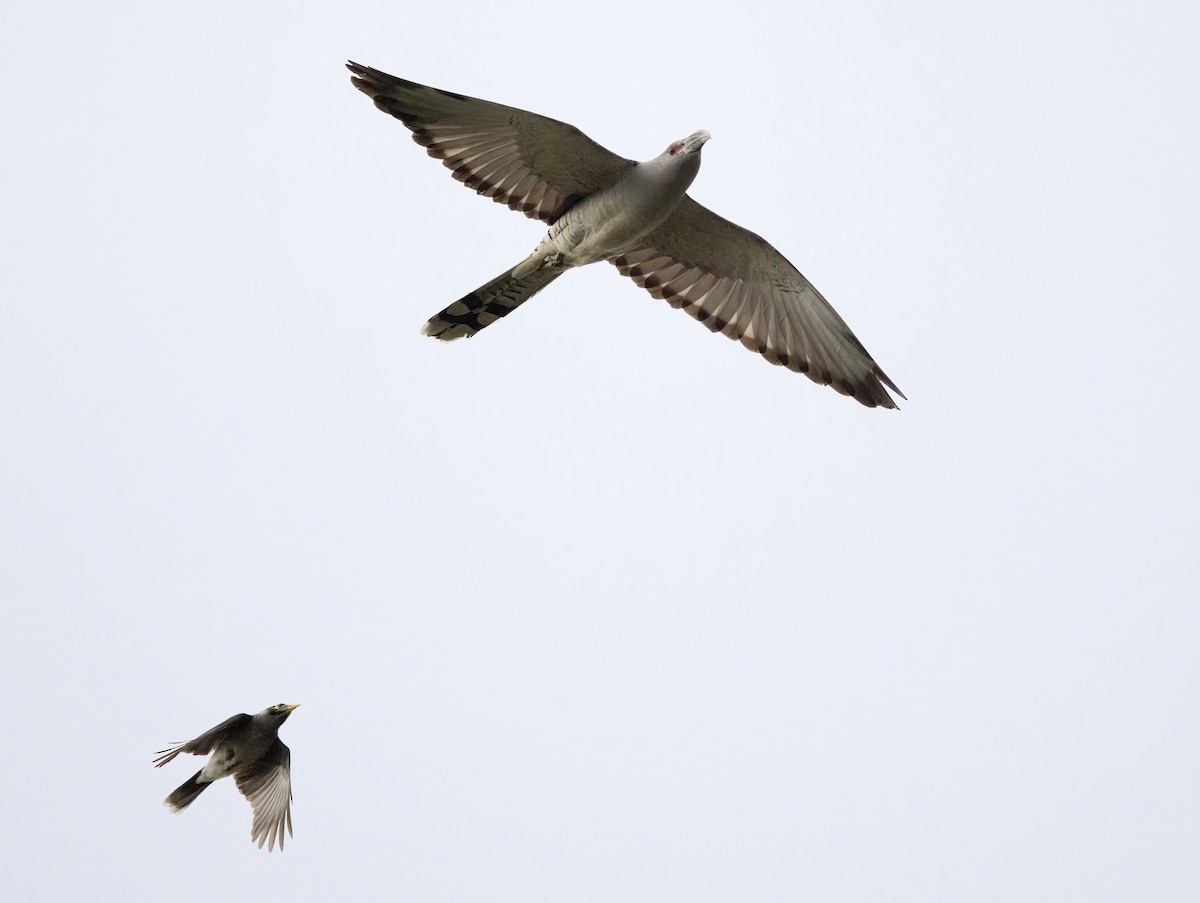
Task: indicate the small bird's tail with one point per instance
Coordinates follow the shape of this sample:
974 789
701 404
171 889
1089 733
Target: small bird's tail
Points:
183 795
490 302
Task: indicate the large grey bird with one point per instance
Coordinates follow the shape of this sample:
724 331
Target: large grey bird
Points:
636 216
247 747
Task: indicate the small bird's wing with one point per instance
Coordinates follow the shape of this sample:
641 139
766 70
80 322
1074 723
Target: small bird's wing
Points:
734 282
531 163
205 743
267 784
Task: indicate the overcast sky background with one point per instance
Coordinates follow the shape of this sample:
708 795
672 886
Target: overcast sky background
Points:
598 606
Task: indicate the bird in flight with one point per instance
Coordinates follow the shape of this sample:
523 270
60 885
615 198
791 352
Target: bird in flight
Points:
247 747
638 217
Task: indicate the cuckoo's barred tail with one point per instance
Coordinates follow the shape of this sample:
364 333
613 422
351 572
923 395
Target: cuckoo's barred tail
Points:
490 302
183 795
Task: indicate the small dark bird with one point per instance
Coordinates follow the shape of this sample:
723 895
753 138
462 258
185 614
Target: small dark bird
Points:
247 747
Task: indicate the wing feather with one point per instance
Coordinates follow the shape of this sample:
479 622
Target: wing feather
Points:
267 784
734 282
205 743
555 163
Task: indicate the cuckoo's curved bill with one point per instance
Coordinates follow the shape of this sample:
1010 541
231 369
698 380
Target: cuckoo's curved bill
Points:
638 217
247 747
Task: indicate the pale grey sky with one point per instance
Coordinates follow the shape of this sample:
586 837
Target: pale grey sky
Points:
598 606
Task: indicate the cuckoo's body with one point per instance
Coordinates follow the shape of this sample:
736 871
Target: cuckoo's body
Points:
637 216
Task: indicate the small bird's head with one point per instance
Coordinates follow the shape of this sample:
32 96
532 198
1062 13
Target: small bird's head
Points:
279 712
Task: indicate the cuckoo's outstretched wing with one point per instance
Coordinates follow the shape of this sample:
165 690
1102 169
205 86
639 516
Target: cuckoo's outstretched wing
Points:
735 283
531 163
